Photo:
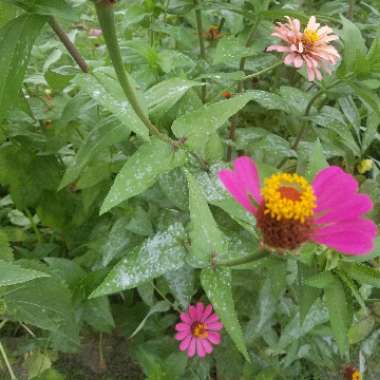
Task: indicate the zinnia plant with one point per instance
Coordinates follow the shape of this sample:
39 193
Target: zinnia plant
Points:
290 211
199 330
310 47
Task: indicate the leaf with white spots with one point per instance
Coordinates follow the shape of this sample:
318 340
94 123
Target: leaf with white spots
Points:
206 238
198 126
181 284
107 92
164 95
218 287
142 170
160 254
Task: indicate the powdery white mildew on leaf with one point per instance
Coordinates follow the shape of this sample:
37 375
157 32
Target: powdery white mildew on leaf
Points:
218 287
142 170
162 253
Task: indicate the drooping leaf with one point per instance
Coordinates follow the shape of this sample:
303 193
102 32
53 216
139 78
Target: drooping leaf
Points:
218 287
14 57
317 160
162 253
141 171
362 273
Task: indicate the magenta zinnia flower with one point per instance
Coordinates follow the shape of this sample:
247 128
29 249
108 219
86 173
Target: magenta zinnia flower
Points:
289 211
311 47
198 331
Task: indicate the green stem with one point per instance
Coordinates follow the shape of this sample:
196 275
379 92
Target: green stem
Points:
166 298
33 225
5 358
243 260
263 71
106 17
198 16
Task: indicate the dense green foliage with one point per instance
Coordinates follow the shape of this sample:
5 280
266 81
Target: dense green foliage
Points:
112 217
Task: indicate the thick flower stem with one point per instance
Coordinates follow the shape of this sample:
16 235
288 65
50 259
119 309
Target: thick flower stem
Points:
105 12
198 16
243 260
71 48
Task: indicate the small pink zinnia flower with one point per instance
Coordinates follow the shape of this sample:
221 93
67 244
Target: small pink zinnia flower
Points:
289 211
95 32
198 331
311 47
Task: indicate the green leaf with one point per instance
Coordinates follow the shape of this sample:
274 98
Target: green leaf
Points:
362 273
164 95
181 284
57 8
354 47
361 329
6 252
218 287
107 92
336 302
104 135
141 171
197 126
368 97
36 363
206 238
14 57
11 273
321 280
162 253
317 160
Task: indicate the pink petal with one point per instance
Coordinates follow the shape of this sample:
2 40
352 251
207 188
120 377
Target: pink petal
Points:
200 310
192 348
279 48
214 337
184 345
352 237
332 186
289 59
200 349
298 62
215 326
207 312
243 182
182 335
350 208
182 327
212 318
193 313
185 317
207 346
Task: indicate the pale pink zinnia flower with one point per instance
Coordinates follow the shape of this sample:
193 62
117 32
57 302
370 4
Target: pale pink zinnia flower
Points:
95 32
289 211
311 47
199 330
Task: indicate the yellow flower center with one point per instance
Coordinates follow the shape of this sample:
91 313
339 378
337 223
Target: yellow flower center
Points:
356 375
310 36
199 330
288 196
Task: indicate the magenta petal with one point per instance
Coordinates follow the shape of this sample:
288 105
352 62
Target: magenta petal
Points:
186 318
207 312
200 310
184 345
182 327
215 326
207 346
200 349
192 348
352 237
182 335
243 182
214 337
212 318
351 208
193 313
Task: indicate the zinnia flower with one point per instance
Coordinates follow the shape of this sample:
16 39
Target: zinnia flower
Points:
352 373
311 47
289 211
198 331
